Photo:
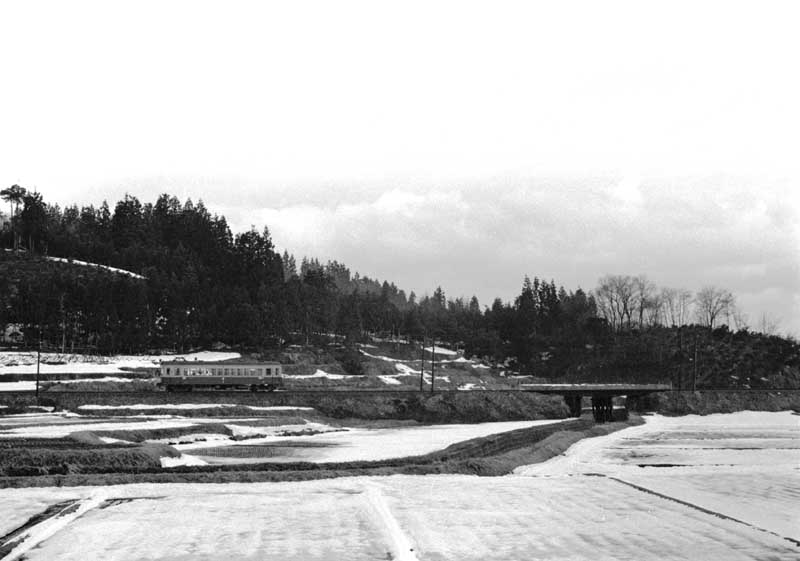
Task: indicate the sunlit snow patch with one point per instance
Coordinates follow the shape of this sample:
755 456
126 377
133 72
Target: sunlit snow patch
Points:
182 460
470 386
441 351
322 374
190 406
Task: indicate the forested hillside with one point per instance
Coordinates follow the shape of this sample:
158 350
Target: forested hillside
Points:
197 284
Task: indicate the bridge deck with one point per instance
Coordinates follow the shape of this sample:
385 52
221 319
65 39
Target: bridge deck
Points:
595 389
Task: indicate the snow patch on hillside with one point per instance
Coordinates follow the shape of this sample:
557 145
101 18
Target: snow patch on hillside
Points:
405 369
322 374
440 351
470 386
378 357
14 362
104 267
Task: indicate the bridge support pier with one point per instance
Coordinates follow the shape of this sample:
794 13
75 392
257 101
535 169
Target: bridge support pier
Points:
574 403
602 408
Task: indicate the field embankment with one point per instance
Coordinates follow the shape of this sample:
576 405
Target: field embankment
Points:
59 457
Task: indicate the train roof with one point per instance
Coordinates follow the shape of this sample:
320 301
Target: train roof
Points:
230 362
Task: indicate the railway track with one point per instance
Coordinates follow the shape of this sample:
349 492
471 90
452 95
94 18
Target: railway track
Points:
346 391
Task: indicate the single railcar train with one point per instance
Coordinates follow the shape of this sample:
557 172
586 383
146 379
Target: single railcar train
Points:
179 375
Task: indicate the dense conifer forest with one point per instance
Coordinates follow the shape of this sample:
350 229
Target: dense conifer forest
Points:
185 281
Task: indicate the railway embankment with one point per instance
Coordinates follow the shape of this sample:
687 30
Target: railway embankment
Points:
440 407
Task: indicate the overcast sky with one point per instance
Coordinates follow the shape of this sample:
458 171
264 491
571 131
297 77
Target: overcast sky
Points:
457 144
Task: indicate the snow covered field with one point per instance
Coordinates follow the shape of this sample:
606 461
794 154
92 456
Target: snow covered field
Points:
292 441
594 502
743 465
358 444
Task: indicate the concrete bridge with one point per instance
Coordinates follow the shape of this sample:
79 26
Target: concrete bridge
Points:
602 395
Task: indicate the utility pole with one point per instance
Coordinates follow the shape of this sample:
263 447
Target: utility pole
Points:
38 360
422 365
680 357
694 377
433 362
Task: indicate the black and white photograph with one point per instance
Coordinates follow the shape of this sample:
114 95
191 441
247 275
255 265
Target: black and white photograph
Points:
401 281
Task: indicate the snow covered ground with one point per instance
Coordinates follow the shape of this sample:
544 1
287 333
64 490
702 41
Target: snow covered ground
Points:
733 495
53 427
190 406
105 267
399 517
31 385
320 374
17 386
358 444
13 362
743 465
440 351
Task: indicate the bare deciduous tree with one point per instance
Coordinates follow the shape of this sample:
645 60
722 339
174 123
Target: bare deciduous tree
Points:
644 297
711 303
614 296
655 310
769 324
677 305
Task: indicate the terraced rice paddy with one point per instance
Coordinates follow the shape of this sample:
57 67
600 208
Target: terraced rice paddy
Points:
670 489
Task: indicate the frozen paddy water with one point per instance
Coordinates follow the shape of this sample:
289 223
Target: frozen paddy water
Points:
594 502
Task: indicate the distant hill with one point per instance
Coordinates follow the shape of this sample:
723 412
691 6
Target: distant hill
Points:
169 275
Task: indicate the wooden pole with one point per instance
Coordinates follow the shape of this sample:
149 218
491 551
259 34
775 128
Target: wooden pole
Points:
38 360
680 357
422 366
694 376
433 362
